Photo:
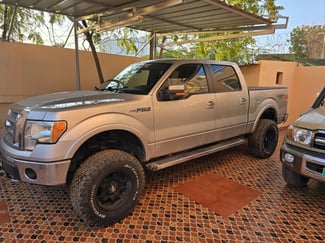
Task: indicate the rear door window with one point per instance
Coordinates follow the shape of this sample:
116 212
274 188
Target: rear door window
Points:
225 78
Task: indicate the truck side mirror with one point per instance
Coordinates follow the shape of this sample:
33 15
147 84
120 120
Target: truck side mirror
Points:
172 92
178 90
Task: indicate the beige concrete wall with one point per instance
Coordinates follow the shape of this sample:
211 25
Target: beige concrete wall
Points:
268 77
251 73
308 81
27 70
265 73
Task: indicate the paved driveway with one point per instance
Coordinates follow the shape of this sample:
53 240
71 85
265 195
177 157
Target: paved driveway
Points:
280 214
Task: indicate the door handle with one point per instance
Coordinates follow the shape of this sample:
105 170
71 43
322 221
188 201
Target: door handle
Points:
242 100
211 103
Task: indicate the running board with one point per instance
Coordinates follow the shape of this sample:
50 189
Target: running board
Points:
193 154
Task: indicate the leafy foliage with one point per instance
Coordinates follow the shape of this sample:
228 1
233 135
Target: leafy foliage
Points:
229 50
130 45
307 41
265 7
21 24
25 23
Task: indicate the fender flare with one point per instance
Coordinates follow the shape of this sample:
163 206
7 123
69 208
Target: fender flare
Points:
104 123
262 112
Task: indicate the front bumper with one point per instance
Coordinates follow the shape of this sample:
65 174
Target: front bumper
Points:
43 173
307 163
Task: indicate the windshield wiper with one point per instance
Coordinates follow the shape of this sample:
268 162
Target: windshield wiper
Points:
112 90
105 86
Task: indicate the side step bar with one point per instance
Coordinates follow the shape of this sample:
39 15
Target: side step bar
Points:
193 154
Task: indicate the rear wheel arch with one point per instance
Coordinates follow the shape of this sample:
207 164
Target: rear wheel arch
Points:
269 113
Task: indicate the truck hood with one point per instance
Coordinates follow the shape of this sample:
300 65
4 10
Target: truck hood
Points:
70 99
312 120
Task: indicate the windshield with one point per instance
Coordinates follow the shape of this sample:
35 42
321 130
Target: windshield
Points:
138 78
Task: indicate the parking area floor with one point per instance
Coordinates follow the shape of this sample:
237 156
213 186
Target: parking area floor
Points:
279 214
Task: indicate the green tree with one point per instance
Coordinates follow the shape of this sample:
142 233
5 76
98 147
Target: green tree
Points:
307 42
264 7
124 34
53 21
19 24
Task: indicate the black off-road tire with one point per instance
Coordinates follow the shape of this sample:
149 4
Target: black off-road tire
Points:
292 178
262 143
107 187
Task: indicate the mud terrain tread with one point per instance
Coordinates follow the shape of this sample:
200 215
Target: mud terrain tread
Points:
87 176
256 141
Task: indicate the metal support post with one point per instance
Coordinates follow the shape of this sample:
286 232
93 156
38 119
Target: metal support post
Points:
76 54
153 46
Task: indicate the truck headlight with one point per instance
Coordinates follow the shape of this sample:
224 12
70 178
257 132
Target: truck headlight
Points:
43 132
300 135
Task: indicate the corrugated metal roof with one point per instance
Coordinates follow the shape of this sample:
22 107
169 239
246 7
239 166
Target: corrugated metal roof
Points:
159 16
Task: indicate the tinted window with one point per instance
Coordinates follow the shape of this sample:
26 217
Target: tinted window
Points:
225 78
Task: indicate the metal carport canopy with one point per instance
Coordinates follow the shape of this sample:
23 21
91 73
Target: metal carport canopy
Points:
156 16
160 17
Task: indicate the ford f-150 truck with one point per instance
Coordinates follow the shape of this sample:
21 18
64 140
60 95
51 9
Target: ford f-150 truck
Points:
303 150
152 115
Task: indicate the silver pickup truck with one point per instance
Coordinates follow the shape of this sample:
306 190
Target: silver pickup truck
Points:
152 115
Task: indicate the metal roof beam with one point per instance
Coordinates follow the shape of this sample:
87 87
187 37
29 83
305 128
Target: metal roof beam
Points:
237 11
233 29
173 22
132 14
225 36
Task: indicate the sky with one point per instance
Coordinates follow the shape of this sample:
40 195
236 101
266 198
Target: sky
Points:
300 12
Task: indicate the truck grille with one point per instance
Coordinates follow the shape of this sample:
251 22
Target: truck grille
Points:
315 167
319 140
11 125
